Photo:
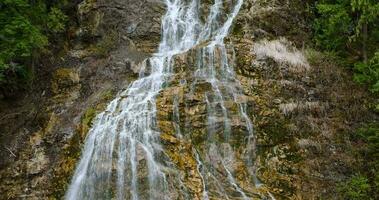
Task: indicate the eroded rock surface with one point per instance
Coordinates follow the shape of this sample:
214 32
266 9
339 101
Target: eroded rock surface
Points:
301 111
42 135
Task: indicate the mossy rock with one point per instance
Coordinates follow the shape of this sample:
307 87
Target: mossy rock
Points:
72 150
64 79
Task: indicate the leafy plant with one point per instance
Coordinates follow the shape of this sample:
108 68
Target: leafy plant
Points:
350 30
347 26
56 20
332 27
370 135
25 28
356 188
365 185
368 73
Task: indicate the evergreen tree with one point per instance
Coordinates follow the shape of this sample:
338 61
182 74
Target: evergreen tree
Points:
350 29
25 27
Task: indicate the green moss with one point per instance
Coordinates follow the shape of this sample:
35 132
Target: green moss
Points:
276 130
107 95
72 151
104 46
88 117
64 78
71 154
238 29
355 188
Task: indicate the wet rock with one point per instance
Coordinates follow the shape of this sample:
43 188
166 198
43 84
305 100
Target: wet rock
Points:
298 113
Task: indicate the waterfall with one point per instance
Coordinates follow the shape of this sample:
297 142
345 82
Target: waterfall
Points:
110 164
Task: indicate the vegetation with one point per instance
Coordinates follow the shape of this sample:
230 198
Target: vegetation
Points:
356 188
105 45
26 27
350 29
365 185
368 73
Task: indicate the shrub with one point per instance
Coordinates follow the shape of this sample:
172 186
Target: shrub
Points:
350 29
25 27
333 26
56 20
356 188
368 73
366 184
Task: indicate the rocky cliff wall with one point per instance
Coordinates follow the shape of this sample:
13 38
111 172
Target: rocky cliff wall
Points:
302 104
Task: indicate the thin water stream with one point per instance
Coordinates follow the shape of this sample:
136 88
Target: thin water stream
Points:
111 164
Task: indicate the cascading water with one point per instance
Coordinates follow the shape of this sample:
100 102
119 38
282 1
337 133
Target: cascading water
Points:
122 154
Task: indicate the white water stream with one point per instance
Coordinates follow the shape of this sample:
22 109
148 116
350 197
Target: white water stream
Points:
109 166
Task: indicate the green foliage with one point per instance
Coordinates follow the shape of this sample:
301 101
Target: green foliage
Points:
350 29
366 184
333 26
56 20
368 73
88 117
25 28
368 13
339 24
356 188
370 135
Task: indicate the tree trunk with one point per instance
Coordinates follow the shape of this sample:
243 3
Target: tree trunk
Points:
364 45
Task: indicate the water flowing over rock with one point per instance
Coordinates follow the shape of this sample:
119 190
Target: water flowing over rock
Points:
140 147
183 99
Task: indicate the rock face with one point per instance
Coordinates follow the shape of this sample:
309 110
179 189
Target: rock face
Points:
139 21
297 100
185 132
300 114
41 135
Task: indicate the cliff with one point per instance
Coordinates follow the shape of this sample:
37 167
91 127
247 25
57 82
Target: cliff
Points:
303 106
